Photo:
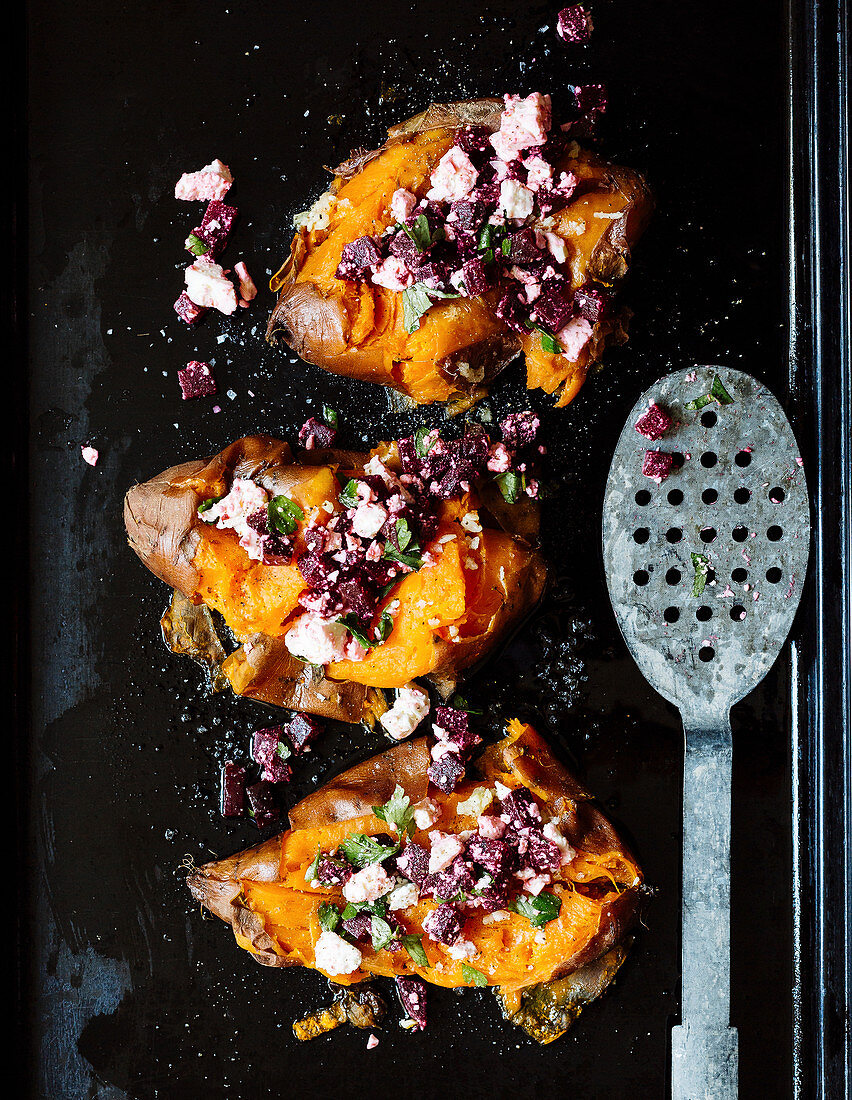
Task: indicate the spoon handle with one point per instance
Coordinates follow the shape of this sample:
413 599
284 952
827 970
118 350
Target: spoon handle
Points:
704 1046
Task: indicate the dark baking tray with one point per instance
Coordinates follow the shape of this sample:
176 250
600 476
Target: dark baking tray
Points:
735 113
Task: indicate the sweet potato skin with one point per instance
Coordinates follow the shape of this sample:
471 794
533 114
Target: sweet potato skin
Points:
164 530
461 346
349 798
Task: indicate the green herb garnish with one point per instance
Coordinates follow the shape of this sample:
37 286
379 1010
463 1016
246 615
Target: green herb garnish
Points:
511 485
403 534
698 403
361 850
282 513
353 625
384 626
397 812
382 933
416 300
412 560
329 917
718 391
420 441
196 246
473 976
421 234
283 750
313 870
700 563
349 494
538 910
459 702
206 505
414 946
330 416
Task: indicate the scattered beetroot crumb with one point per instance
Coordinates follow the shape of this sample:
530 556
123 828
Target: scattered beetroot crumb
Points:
724 595
248 291
653 423
262 803
372 1042
210 182
657 465
233 790
187 310
212 235
89 454
574 25
590 97
196 380
315 435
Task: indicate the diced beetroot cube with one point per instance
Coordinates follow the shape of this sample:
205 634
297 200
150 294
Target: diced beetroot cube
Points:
359 927
520 429
215 228
315 435
357 256
265 751
443 924
196 380
492 898
551 200
301 730
476 279
542 854
233 790
574 24
653 423
188 311
414 863
403 247
495 856
259 521
474 139
554 307
446 772
466 216
523 249
657 464
590 97
261 798
455 879
452 719
522 809
277 549
592 303
332 872
513 311
412 994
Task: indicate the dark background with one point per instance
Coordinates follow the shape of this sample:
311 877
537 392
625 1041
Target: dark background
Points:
129 991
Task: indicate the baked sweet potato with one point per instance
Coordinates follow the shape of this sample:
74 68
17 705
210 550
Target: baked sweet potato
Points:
281 897
360 330
474 587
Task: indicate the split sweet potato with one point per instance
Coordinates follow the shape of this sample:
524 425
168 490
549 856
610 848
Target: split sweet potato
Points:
357 329
272 903
451 614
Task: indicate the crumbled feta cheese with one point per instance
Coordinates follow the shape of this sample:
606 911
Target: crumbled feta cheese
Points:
372 1042
445 848
368 519
317 217
499 459
402 203
516 201
574 337
462 949
502 790
426 813
496 917
318 641
454 178
368 884
409 709
470 522
524 123
491 827
392 274
233 510
90 455
555 244
538 172
470 374
477 802
552 832
210 182
207 285
403 896
335 956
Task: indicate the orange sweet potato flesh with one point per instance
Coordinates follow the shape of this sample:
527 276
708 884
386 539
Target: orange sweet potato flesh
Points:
461 345
451 614
273 911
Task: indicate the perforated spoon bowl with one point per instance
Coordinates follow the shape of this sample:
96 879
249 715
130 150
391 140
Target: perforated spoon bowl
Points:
704 571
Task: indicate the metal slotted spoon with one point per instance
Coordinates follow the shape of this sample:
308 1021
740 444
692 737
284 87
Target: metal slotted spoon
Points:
705 630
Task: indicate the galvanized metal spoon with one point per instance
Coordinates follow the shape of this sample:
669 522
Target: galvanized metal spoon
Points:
705 570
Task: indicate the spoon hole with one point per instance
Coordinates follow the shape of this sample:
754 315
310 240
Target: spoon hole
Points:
708 534
675 497
743 459
739 533
738 613
777 495
708 419
642 498
673 576
641 534
742 496
709 496
671 614
703 614
709 460
674 534
774 533
773 575
706 653
640 577
739 575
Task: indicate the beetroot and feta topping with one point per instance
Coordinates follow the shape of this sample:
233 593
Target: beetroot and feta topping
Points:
90 454
208 286
188 311
657 465
196 380
210 238
574 24
478 229
462 872
653 423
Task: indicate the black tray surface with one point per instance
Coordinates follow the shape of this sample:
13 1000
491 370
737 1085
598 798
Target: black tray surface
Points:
129 992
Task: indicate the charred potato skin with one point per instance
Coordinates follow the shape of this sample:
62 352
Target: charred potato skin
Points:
216 885
161 518
317 327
